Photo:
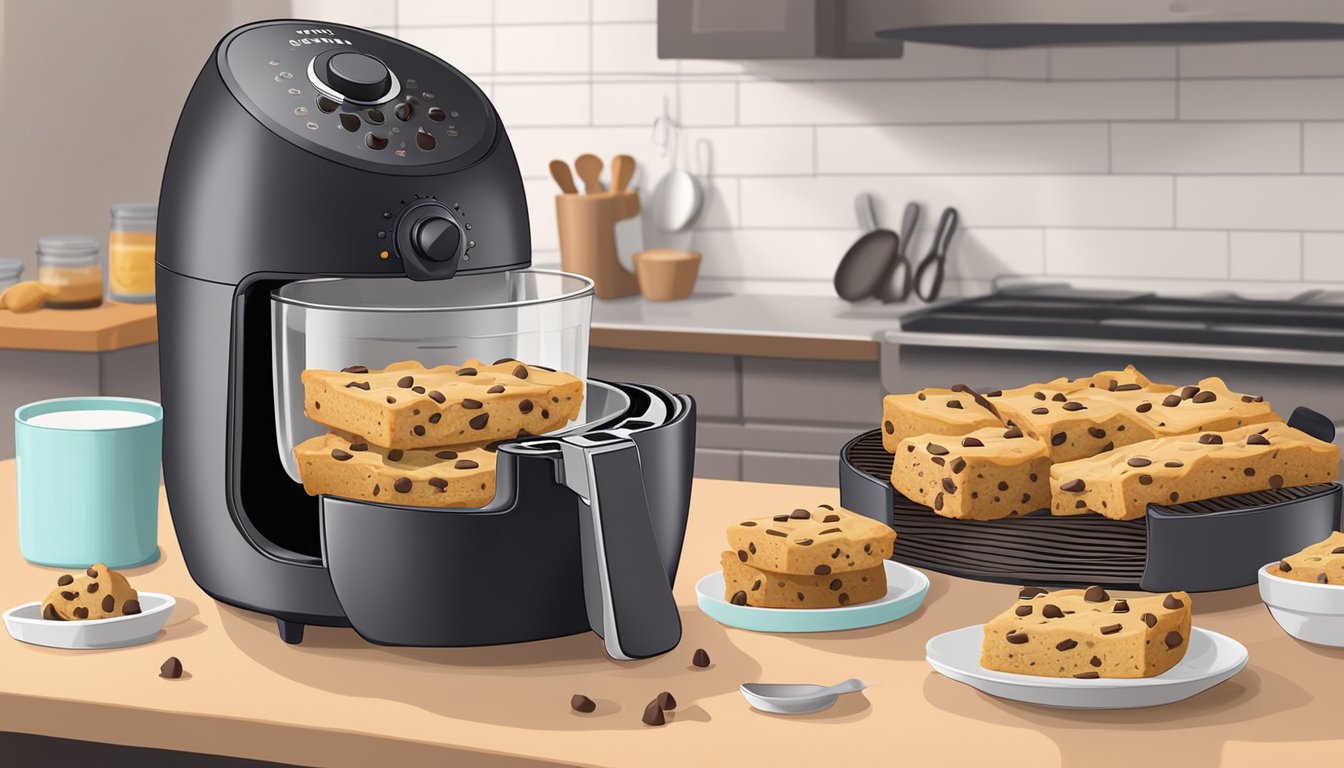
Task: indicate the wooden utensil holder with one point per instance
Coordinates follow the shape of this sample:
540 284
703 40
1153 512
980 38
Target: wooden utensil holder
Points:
587 226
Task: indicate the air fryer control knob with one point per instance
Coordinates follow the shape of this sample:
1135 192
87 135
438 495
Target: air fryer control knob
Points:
436 238
357 76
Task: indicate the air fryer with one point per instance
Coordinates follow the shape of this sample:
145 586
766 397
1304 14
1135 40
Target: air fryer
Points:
333 196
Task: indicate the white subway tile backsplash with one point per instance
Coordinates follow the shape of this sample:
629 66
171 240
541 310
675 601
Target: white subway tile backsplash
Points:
982 201
1309 58
629 48
1122 252
540 11
1279 203
636 103
1270 99
978 149
537 147
359 13
959 101
1113 62
1323 257
773 151
430 13
553 49
1323 148
525 105
984 254
625 10
1265 256
707 104
464 47
1186 147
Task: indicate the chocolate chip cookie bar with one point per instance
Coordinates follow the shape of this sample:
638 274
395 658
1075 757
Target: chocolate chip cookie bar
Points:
1170 470
1088 634
1076 424
406 405
433 477
984 475
1209 406
745 584
953 411
97 593
817 541
1320 563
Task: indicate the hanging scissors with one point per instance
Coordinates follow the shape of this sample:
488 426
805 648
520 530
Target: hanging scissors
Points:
936 260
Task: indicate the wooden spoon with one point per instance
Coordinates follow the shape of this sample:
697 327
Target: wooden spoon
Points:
589 168
622 170
560 172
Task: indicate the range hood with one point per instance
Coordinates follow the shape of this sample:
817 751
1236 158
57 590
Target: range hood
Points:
1022 23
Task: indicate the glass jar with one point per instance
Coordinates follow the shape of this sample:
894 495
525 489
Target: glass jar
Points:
68 271
130 252
10 272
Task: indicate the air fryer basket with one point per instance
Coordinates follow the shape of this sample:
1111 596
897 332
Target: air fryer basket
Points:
1197 546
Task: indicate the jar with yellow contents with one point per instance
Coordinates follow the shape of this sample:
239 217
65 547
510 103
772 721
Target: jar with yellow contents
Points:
68 271
130 252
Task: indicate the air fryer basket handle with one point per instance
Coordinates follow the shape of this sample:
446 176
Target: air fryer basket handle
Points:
630 603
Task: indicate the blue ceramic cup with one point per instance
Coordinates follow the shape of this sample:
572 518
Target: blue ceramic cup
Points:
89 481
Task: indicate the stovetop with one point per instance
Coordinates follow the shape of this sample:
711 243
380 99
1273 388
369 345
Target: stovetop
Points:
1312 321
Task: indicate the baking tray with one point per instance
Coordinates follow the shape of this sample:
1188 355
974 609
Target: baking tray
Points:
1198 546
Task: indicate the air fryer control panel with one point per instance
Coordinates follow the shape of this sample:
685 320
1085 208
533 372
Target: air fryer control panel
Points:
367 98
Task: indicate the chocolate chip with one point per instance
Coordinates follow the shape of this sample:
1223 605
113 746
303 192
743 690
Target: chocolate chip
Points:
1207 396
700 658
1337 551
803 542
1139 461
1096 432
1012 433
402 485
844 598
1171 401
800 514
355 369
1173 465
868 549
822 570
339 455
93 587
828 531
1016 637
1144 407
1173 639
395 454
525 406
739 598
1080 504
1095 595
439 483
64 579
466 371
1059 438
936 449
1257 440
1172 602
831 519
364 385
406 382
1023 610
773 532
1003 485
1174 496
954 404
1040 411
1052 611
81 612
742 555
1066 645
419 430
1121 606
653 714
92 573
971 442
957 465
938 501
1321 578
109 603
67 595
479 422
1075 485
580 703
1029 592
889 427
49 613
520 371
376 489
949 486
545 414
666 701
1145 479
1208 439
1059 397
171 669
1110 629
921 396
748 523
1026 497
1276 481
465 464
1074 405
1087 675
1149 619
1039 395
1126 387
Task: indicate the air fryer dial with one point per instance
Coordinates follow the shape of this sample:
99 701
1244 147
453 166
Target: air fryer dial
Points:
369 99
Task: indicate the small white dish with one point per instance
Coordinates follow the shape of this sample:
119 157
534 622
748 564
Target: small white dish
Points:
25 624
1211 659
906 588
1310 612
797 699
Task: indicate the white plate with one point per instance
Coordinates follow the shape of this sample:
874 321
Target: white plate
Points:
1211 659
25 624
1310 612
906 588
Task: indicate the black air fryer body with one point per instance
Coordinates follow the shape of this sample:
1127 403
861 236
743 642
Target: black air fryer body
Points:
310 149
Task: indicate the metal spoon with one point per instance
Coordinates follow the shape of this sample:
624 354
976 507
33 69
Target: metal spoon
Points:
788 699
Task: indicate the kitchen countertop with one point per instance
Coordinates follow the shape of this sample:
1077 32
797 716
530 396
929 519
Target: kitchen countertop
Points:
798 327
106 328
336 700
